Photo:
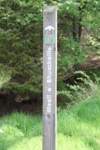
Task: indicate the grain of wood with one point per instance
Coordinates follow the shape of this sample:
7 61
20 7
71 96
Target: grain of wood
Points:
49 77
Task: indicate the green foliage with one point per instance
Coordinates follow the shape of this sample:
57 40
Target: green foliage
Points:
83 89
4 77
20 44
21 40
72 53
74 50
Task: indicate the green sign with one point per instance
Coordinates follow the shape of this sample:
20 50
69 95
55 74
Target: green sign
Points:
49 39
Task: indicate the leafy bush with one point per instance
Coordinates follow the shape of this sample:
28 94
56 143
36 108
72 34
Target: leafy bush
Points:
21 40
20 44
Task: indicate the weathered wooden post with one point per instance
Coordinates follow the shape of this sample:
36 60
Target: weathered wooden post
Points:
49 77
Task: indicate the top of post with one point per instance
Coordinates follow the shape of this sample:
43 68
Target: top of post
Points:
49 8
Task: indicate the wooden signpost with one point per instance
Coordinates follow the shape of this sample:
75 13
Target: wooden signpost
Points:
49 77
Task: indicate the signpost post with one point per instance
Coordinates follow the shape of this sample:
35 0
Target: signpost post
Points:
49 77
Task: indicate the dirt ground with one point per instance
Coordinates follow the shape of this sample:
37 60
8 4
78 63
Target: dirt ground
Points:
9 105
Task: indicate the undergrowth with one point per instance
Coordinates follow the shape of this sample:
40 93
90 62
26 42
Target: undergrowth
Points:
78 128
82 89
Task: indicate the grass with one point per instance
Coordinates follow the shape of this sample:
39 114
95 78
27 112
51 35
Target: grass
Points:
78 129
81 125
